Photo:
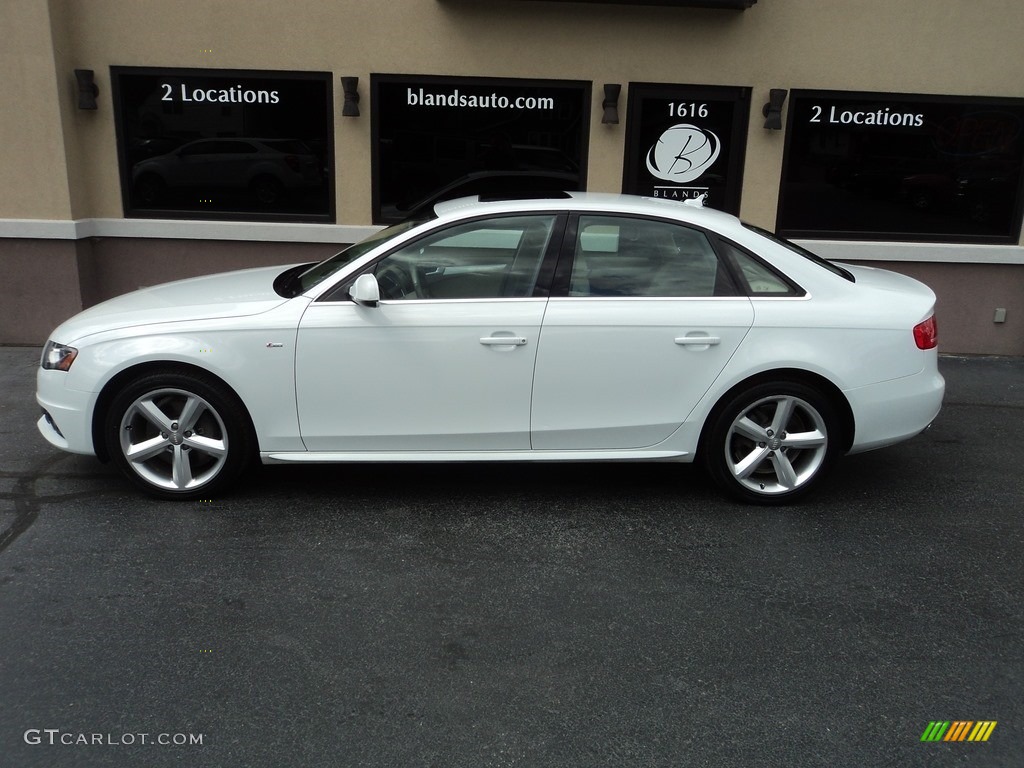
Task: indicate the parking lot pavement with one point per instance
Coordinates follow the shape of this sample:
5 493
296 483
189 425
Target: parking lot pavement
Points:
555 615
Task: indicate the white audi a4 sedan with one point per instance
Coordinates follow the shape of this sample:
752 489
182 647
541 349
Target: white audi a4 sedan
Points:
574 327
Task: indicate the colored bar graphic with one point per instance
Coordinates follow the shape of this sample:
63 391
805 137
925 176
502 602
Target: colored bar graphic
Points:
982 730
958 730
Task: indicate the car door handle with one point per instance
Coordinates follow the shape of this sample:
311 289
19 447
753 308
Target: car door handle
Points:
697 341
503 341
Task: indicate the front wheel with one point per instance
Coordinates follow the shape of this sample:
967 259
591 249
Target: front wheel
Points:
772 443
179 435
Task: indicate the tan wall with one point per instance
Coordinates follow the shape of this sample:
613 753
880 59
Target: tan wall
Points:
33 167
59 162
944 46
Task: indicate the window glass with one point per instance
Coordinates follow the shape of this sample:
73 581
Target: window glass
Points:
496 258
320 272
620 256
205 143
760 280
687 141
440 138
902 167
835 269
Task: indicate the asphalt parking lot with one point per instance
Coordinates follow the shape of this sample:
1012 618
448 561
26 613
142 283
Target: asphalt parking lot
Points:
579 615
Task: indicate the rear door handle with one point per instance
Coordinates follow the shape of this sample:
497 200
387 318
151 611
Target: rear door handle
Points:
503 341
697 341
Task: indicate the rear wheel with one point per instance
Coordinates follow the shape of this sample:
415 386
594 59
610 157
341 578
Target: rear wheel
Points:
267 190
772 443
179 435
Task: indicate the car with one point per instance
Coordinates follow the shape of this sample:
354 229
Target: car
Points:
267 170
562 327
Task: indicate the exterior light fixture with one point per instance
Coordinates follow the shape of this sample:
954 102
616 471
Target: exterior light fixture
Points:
611 103
772 111
350 87
87 90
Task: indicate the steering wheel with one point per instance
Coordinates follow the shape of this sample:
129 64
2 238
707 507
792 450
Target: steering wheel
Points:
393 282
419 286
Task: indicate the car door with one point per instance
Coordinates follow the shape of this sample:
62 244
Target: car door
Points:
445 362
647 318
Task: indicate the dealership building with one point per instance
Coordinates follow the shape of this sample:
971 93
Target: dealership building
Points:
147 141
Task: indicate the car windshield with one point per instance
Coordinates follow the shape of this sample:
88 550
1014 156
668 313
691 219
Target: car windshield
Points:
809 255
320 272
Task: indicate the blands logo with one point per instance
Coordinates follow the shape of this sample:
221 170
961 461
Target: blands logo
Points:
958 730
683 153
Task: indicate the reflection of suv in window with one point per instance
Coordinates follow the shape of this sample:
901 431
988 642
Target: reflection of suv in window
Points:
268 170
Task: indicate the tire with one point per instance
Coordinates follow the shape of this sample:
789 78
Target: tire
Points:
179 435
772 443
150 190
267 190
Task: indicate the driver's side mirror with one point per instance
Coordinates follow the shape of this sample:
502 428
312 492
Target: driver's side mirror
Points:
365 292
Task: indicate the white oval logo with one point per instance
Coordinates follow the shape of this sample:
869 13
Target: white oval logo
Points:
683 153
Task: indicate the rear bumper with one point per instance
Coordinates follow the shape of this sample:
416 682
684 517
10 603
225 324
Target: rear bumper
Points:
893 411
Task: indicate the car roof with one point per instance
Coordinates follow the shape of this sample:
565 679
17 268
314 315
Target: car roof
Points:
605 202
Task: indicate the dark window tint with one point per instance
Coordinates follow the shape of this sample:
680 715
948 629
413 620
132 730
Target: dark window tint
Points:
439 138
902 167
197 143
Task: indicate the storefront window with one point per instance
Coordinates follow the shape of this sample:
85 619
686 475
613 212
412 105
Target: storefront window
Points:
198 143
438 138
902 167
687 141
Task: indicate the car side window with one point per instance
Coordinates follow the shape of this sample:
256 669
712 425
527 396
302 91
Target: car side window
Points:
488 259
760 280
624 256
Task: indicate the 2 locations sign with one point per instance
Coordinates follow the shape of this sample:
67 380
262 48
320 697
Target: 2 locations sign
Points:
438 138
201 143
903 167
234 94
687 141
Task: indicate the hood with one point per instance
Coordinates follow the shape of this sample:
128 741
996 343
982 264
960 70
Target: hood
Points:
231 294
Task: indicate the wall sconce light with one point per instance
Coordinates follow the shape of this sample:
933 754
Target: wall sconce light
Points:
611 103
87 90
772 111
350 87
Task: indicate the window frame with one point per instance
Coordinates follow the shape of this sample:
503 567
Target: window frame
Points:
237 76
542 287
563 269
379 133
834 98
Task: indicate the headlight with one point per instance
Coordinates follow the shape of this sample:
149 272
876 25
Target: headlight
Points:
58 357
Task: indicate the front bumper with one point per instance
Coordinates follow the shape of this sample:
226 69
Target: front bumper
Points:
66 422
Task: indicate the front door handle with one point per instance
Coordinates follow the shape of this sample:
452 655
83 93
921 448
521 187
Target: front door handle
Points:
503 341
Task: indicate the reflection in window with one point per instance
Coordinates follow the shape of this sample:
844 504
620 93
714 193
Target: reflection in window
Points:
760 280
618 256
441 138
904 167
499 258
200 143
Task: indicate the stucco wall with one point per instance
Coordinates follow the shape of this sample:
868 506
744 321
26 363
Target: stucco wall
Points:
60 164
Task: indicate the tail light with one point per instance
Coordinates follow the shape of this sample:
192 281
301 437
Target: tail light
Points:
926 334
292 162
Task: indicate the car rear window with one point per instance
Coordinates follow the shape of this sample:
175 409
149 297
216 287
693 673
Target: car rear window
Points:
835 269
